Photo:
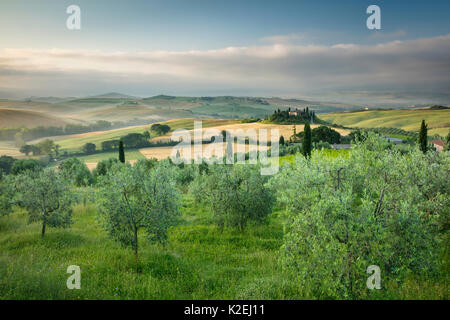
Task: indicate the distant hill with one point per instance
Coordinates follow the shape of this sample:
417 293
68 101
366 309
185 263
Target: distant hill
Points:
113 95
48 99
26 118
115 106
438 120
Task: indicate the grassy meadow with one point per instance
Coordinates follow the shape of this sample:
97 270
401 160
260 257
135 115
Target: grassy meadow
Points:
199 262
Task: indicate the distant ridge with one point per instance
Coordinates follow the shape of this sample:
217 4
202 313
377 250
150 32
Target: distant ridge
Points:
113 95
48 99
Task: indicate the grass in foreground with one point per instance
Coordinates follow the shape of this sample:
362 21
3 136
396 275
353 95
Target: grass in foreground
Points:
199 262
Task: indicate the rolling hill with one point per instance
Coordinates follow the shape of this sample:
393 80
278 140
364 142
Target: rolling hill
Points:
27 118
121 107
114 95
438 120
132 111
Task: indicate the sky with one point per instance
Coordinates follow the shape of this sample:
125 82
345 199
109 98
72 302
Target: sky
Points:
302 49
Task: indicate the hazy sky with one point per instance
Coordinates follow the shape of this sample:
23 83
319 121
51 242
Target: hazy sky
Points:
297 48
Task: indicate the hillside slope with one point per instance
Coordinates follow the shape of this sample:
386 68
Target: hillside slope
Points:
26 118
438 120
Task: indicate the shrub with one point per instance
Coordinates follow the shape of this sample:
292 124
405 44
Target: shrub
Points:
186 173
20 166
6 164
104 166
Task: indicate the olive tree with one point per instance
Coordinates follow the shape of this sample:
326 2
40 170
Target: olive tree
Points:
76 172
378 207
236 194
46 196
135 198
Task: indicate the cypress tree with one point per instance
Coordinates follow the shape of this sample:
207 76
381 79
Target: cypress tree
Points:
121 152
282 140
423 143
306 143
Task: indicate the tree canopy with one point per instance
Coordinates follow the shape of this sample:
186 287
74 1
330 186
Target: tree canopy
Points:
46 196
134 198
160 129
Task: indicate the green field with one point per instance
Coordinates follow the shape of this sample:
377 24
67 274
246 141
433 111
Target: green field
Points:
74 143
438 120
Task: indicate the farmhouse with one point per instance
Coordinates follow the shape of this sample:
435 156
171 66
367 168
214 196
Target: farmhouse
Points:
294 113
438 144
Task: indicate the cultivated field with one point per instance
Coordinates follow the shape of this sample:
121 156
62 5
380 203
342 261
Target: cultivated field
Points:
210 127
207 151
75 142
438 120
8 148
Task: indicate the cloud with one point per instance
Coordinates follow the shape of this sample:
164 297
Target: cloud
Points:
381 35
287 69
289 38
